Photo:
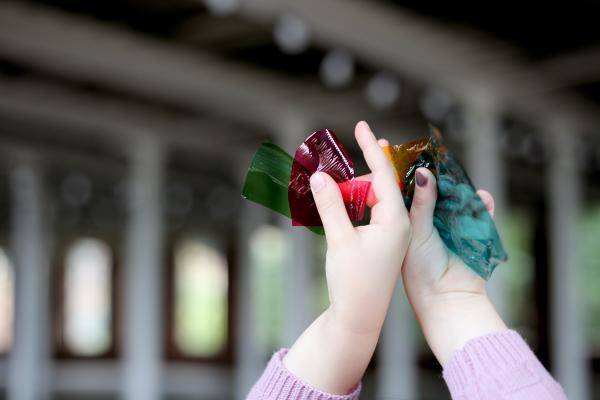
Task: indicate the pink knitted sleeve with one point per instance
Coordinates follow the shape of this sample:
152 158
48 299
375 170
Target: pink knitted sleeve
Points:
278 383
499 366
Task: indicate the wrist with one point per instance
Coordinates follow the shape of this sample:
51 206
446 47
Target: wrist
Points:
352 329
450 320
329 356
352 323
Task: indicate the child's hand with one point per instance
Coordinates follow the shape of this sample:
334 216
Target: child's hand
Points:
363 265
448 298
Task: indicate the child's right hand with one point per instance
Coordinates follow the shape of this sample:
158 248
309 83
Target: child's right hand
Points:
448 298
362 267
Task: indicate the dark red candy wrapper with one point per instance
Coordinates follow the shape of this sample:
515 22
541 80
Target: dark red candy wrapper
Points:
323 152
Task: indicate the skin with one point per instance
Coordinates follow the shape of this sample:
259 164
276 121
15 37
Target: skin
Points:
448 298
362 267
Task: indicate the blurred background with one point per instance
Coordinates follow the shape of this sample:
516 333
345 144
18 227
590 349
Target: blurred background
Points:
131 268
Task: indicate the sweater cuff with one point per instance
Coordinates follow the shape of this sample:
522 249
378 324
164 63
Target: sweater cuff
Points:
277 382
501 361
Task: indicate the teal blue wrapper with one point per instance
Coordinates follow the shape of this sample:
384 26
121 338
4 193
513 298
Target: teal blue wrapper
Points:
461 218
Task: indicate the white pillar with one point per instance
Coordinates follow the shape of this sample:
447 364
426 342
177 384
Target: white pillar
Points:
484 164
567 323
142 289
29 358
299 284
249 357
397 352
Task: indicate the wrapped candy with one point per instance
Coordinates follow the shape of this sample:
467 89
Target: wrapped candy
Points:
281 183
461 218
406 158
323 152
268 179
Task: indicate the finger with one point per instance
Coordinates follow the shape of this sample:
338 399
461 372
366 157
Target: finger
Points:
367 177
331 207
488 201
383 175
423 205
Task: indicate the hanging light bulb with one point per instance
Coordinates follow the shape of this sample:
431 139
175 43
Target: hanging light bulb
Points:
221 8
337 69
383 90
291 34
436 104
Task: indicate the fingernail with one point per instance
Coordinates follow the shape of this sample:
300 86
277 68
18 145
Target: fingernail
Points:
421 179
317 182
383 142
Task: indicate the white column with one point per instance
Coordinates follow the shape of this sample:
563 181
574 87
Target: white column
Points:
484 164
397 352
29 357
250 360
142 289
299 283
563 182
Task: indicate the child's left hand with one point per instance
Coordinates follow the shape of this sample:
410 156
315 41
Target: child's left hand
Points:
363 266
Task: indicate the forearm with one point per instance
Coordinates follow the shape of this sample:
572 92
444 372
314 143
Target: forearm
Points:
450 321
331 357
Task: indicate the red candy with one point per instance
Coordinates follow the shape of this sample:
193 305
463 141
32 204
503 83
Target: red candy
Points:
323 152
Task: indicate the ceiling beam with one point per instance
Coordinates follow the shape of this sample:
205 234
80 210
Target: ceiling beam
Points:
574 68
87 50
84 49
116 124
32 109
459 60
390 37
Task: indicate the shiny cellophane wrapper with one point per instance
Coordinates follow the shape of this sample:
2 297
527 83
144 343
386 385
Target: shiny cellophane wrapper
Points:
323 152
281 183
462 220
268 179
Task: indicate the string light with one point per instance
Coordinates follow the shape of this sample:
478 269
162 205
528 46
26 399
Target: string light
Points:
383 90
291 34
337 69
221 8
436 104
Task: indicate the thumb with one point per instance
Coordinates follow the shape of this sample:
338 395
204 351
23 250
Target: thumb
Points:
330 205
421 211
